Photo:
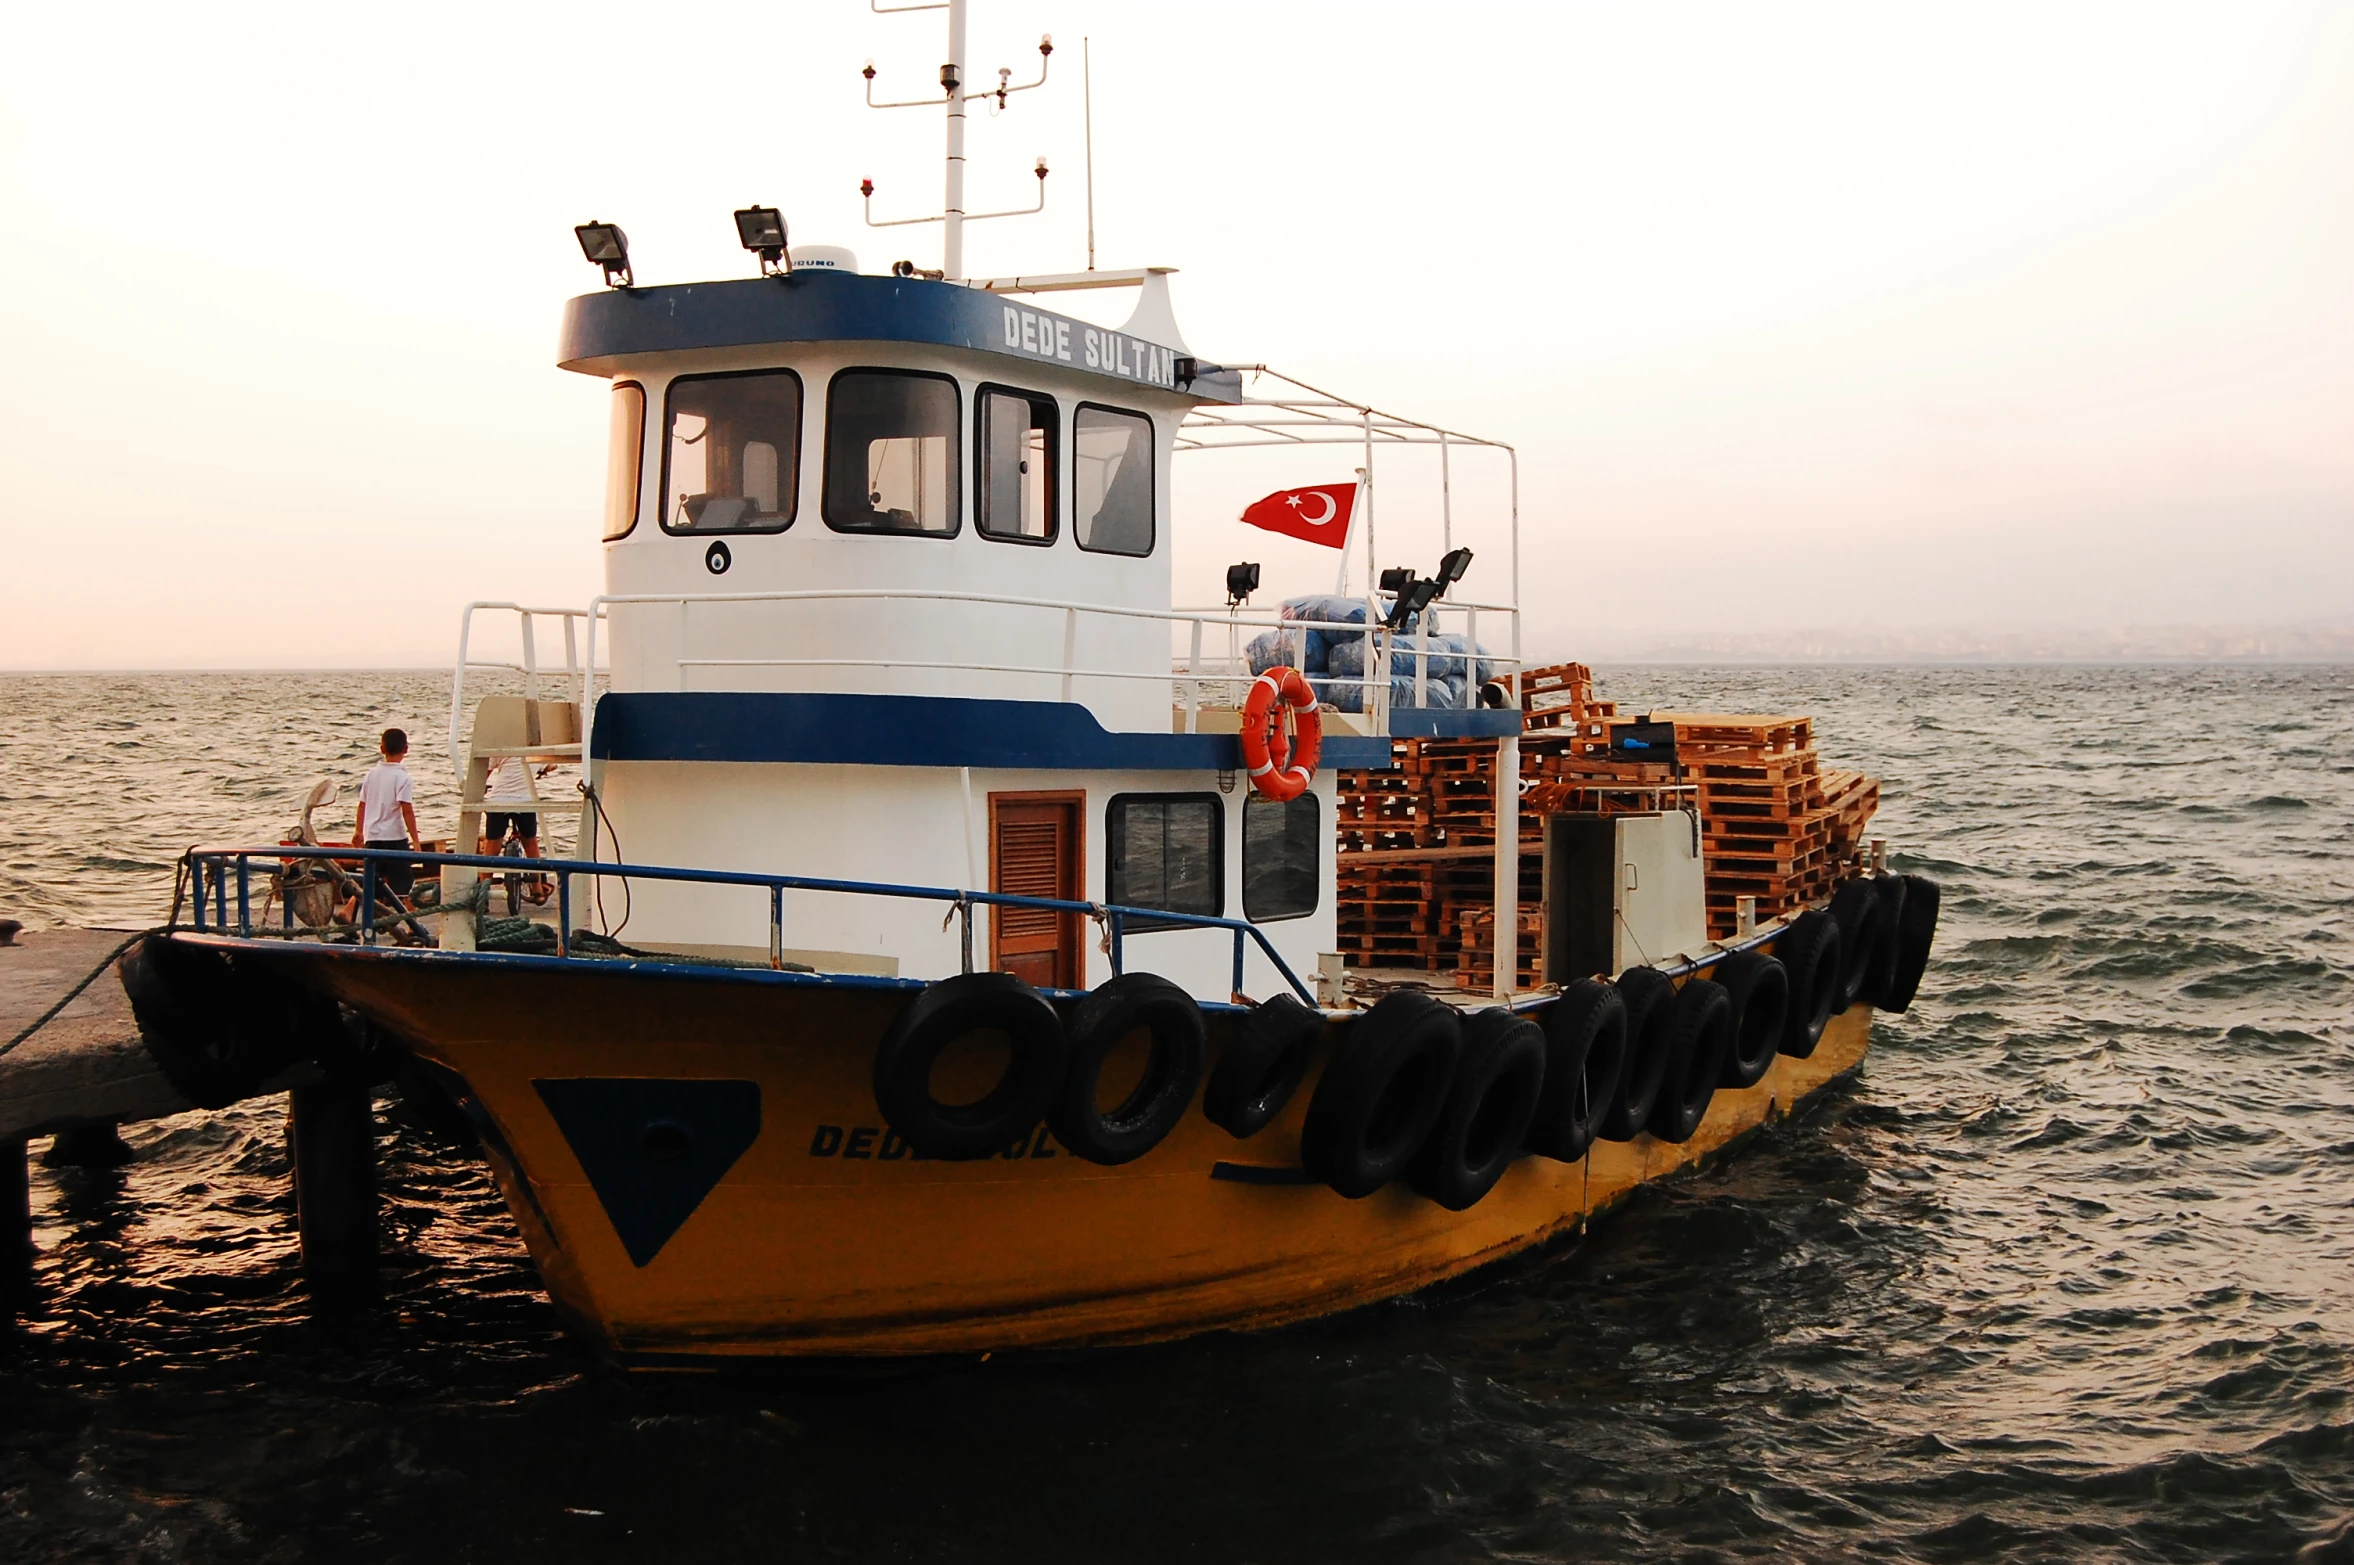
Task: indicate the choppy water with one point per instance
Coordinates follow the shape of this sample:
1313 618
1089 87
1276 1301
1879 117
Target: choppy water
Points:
2068 1273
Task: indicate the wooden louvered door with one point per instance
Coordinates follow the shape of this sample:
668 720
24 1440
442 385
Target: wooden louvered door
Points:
1037 849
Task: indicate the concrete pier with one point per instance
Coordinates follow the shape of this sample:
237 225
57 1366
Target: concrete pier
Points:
85 1068
16 1223
86 1072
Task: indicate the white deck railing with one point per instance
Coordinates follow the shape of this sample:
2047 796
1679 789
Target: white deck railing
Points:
1195 676
1212 669
573 670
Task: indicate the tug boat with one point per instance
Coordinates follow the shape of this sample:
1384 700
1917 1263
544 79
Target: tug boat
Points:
968 948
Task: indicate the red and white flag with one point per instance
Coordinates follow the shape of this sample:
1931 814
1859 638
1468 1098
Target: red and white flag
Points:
1317 512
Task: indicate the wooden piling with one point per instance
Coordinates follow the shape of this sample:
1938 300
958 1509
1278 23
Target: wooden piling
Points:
331 1133
16 1221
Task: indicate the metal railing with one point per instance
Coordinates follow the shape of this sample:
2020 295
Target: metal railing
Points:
530 667
1192 678
223 901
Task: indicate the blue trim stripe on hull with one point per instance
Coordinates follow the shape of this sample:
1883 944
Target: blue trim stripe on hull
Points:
892 730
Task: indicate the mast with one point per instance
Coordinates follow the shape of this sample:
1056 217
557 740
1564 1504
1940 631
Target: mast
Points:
953 216
952 83
1087 79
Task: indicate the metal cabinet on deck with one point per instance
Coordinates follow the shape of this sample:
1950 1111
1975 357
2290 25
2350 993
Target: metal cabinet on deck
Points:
1621 891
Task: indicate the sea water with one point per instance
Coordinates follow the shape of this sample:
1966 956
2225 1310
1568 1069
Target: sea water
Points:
2067 1272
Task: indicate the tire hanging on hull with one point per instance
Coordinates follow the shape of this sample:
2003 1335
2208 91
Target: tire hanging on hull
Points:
218 1025
1888 897
1381 1092
1856 909
1916 929
1809 952
1649 997
956 1008
1129 1003
1701 1022
1585 1058
1272 1048
1499 1081
1759 989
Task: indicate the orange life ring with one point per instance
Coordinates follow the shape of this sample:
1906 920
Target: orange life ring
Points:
1277 769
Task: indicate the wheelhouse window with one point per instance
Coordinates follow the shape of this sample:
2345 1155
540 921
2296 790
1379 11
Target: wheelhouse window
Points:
625 459
1282 857
1017 437
1111 479
733 460
1165 851
892 453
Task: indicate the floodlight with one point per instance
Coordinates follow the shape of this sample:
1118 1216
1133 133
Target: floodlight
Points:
762 230
1397 578
1412 599
1452 566
607 246
1241 581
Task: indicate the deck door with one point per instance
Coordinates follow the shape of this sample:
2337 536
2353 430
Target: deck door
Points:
1037 849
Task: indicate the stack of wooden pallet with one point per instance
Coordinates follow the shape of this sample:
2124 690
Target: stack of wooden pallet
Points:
1775 825
1475 960
1417 846
1561 696
1417 842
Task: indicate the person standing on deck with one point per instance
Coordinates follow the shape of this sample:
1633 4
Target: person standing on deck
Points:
388 815
511 783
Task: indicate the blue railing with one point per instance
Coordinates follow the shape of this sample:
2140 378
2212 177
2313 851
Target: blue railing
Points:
220 874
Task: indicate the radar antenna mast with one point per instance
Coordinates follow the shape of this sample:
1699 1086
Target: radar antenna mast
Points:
953 216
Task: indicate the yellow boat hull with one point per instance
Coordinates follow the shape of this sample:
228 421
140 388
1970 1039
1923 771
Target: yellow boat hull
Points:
823 1238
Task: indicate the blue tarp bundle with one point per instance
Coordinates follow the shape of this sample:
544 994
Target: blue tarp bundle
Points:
1340 654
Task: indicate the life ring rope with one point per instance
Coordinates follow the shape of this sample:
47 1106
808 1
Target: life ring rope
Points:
1281 767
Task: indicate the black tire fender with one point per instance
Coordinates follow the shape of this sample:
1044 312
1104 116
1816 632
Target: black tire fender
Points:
1702 1019
1809 952
955 1008
1585 1055
1916 929
218 1027
1381 1092
1499 1081
1855 908
1172 1071
1759 988
1649 997
1888 893
1272 1047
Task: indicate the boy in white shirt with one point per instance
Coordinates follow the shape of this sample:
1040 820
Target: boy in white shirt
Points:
388 815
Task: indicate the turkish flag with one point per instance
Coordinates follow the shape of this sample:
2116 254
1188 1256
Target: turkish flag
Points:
1319 513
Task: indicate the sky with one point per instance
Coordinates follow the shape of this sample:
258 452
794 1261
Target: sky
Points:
1915 318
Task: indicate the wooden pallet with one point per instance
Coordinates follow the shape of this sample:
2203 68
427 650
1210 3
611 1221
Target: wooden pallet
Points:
1698 733
1776 824
1560 696
1475 962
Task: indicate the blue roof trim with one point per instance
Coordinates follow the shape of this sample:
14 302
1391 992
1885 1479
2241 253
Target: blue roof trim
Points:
828 306
888 730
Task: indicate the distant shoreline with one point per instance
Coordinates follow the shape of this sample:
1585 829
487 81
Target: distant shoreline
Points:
1659 659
